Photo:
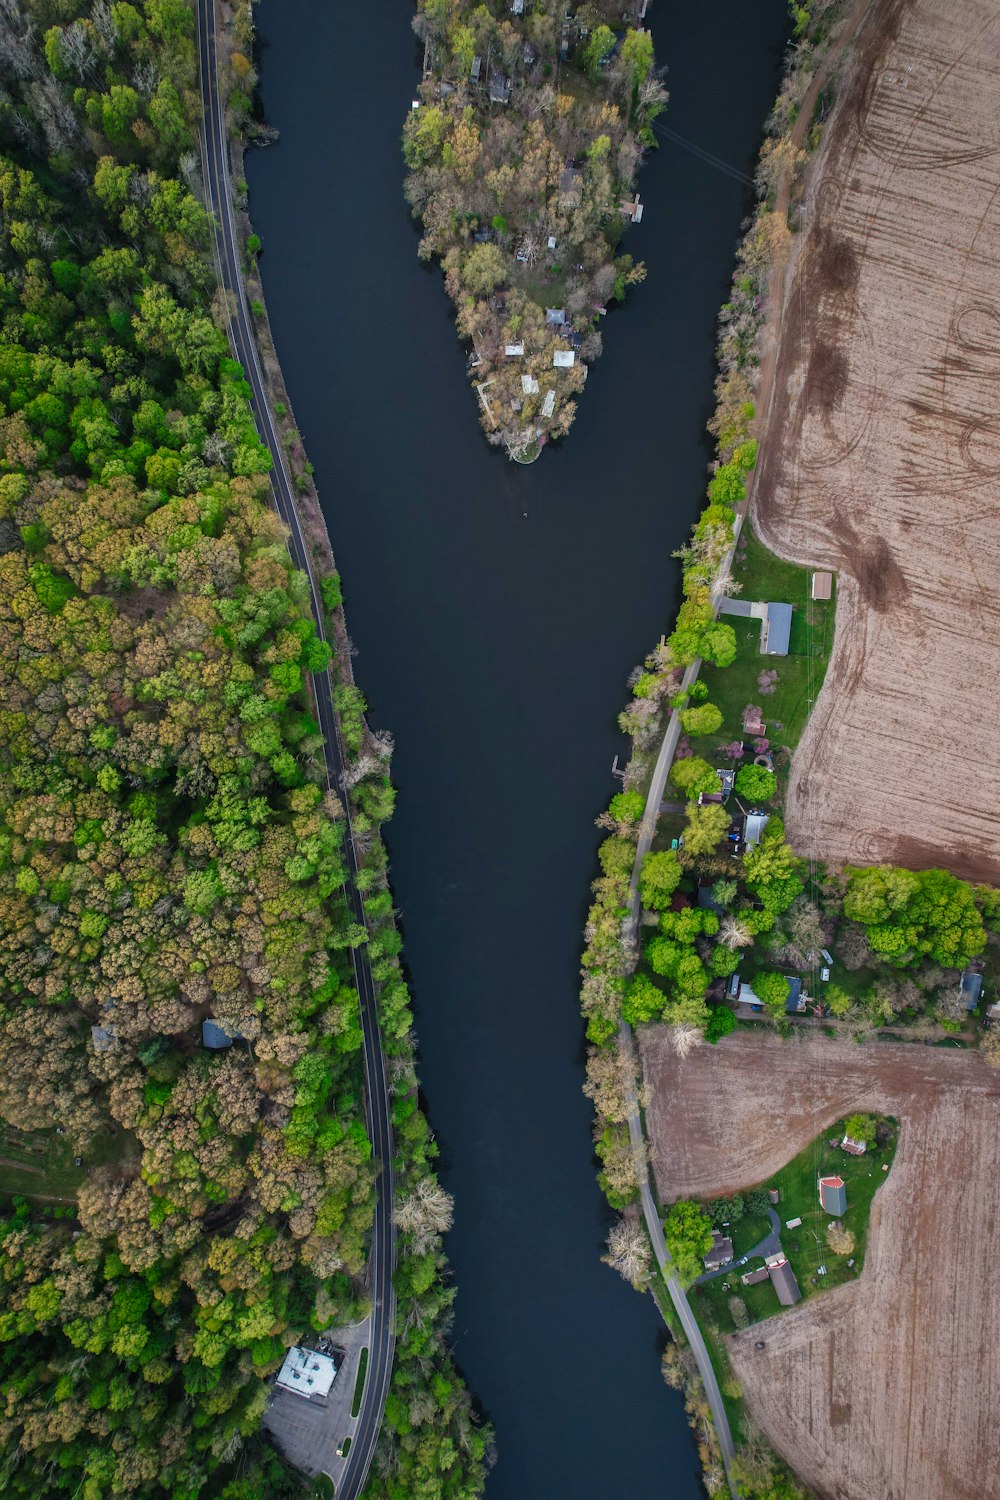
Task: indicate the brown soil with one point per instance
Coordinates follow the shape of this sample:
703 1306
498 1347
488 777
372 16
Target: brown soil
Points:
881 453
885 1389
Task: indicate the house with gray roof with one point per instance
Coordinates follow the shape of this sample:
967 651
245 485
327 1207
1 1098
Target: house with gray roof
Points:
721 1252
776 630
971 988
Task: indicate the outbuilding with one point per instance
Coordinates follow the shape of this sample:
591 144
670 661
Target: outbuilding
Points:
833 1196
783 1279
971 988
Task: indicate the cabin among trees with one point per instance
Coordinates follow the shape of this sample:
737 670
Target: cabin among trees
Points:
523 147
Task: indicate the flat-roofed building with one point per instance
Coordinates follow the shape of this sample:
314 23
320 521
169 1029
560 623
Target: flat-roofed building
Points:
307 1373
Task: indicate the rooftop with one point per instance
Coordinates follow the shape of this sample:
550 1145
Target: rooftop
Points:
563 359
307 1373
776 629
783 1280
822 585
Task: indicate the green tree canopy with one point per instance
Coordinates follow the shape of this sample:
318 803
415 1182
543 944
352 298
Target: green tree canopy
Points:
756 783
774 990
660 877
687 1230
704 719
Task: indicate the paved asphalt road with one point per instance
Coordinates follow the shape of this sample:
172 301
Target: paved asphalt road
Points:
381 1261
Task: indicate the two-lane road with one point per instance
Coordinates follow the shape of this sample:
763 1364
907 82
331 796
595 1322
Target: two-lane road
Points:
215 158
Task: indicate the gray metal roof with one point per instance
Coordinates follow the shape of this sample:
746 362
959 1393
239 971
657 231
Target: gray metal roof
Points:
833 1196
972 988
783 1281
215 1036
776 630
794 991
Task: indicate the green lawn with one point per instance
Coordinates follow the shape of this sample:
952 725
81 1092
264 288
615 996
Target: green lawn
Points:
41 1164
800 673
806 1246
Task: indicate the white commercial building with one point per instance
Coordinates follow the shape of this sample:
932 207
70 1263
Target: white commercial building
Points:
307 1373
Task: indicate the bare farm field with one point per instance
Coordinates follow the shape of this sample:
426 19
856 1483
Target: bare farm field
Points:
885 1389
881 453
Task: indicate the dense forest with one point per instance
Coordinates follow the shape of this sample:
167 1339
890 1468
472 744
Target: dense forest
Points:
522 149
169 856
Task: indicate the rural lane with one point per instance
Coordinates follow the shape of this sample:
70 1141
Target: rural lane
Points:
381 1262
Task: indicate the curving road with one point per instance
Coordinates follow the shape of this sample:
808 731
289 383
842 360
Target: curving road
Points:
381 1262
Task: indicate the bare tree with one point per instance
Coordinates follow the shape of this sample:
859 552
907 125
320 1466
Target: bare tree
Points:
628 1250
735 933
425 1213
840 1240
684 1039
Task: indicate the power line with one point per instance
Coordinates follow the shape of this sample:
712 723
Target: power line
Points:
701 153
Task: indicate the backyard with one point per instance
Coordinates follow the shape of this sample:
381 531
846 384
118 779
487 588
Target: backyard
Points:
42 1165
805 1246
786 703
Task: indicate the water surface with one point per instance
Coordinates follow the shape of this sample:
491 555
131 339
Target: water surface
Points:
498 611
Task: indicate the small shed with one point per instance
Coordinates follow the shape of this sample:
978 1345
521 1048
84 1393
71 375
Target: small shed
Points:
563 359
853 1147
754 1278
517 7
499 89
475 72
755 825
570 186
822 585
721 1252
218 1037
774 1194
833 1196
971 988
776 629
103 1038
513 351
783 1280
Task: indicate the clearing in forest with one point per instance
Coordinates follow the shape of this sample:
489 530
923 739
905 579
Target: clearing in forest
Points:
886 1387
881 456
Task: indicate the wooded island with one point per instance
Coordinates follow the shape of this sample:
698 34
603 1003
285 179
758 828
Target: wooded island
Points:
523 147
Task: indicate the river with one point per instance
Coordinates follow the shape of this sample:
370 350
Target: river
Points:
497 611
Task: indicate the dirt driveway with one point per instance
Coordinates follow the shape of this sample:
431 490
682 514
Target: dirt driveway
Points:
881 455
886 1389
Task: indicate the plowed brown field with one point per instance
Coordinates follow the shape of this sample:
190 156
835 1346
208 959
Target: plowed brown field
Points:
886 1389
881 453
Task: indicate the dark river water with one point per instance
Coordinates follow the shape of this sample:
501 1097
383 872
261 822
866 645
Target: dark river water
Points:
498 611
